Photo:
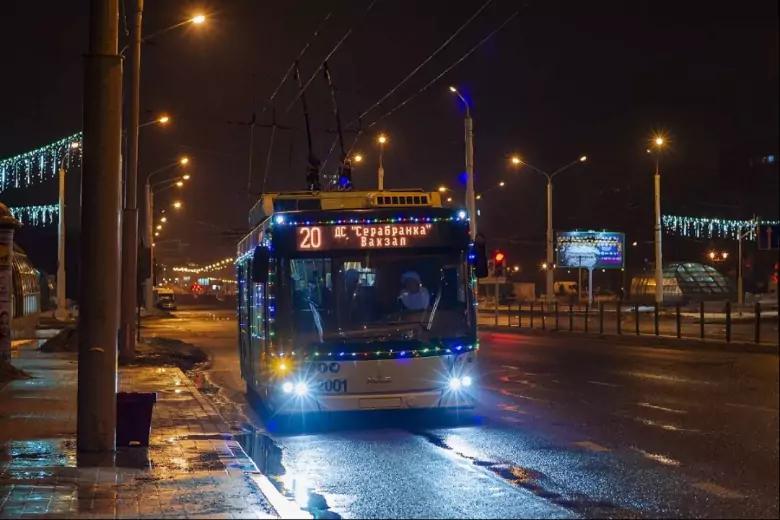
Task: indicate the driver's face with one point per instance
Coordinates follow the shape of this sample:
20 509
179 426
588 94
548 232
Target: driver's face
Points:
412 285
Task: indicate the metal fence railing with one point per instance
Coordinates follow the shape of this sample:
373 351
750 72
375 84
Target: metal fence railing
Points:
753 324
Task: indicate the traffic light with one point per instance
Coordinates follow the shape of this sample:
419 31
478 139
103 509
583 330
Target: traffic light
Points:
498 261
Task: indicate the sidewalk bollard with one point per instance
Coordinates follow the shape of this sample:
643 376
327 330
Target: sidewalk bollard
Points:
677 316
636 318
619 317
601 317
701 319
134 418
758 323
587 309
557 327
656 317
728 322
520 315
532 314
571 317
544 316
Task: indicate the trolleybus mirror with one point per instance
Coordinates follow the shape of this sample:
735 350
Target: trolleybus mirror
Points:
478 257
260 261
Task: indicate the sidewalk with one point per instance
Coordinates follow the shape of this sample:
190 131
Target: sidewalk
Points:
192 469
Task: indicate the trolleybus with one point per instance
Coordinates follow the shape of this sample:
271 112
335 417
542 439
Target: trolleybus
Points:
356 300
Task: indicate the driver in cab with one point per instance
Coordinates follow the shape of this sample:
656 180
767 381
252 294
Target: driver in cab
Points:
414 296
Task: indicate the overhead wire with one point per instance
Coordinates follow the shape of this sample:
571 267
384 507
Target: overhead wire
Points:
403 82
331 53
437 78
428 59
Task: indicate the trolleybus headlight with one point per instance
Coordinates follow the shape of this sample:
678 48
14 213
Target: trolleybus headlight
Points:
301 389
466 381
287 387
455 383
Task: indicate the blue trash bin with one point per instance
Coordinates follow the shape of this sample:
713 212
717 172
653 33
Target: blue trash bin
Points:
134 418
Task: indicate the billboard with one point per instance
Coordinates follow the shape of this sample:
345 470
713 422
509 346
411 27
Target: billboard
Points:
590 249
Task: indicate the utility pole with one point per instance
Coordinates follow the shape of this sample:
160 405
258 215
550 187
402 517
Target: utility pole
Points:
149 239
8 225
130 213
98 324
381 173
550 272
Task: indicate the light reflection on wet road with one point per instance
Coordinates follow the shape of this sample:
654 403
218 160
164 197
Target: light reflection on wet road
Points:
565 428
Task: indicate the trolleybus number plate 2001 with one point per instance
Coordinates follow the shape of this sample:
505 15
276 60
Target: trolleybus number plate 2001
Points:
338 386
328 385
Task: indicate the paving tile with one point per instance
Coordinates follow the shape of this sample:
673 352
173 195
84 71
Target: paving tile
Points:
193 467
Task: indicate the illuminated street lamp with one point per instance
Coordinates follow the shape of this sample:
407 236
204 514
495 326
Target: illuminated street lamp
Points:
130 231
382 139
549 289
471 201
658 143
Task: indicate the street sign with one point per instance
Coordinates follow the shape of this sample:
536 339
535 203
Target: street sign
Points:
768 237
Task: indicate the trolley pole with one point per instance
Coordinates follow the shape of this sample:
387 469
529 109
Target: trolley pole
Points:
98 324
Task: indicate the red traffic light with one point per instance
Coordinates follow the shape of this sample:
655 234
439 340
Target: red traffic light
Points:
499 257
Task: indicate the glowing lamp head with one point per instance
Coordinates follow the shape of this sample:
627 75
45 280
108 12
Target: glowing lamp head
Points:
199 19
659 141
186 177
382 139
583 158
163 219
177 205
358 158
453 89
164 119
184 160
442 189
180 184
516 160
501 184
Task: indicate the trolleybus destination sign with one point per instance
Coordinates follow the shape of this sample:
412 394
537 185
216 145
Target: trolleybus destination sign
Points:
366 236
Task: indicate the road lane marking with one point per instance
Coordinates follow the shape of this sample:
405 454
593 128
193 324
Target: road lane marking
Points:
717 490
512 408
670 379
591 446
667 427
753 407
505 392
658 458
601 383
508 418
662 408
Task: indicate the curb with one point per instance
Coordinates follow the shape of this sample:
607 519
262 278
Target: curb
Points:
283 508
643 341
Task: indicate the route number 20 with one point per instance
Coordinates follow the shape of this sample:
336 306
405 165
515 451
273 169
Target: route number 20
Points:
309 238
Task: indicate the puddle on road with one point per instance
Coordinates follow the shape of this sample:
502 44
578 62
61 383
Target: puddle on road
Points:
534 482
267 456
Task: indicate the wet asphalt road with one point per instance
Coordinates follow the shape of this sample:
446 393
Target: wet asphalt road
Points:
565 428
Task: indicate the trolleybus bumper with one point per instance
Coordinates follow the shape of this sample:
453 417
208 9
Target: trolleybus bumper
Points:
432 399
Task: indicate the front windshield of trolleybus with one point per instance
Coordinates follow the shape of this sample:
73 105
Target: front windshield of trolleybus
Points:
380 296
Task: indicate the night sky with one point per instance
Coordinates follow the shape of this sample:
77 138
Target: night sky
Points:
561 80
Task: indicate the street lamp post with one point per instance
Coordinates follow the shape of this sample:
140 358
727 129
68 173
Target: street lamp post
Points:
149 231
550 274
381 180
658 143
129 286
62 303
470 198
